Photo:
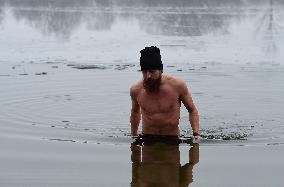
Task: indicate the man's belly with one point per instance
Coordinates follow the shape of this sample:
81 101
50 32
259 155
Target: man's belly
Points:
161 124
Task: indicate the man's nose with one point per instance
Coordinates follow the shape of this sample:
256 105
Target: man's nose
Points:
148 75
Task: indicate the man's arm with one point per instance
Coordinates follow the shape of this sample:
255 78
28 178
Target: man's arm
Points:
135 112
186 170
186 99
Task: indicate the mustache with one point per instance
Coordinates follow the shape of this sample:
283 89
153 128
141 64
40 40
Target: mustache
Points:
150 81
151 84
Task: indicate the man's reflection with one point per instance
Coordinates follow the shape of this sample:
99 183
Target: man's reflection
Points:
157 163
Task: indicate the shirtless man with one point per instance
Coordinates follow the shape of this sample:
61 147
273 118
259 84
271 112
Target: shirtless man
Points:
158 98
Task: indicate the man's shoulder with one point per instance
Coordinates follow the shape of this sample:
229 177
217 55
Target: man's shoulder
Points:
136 87
174 81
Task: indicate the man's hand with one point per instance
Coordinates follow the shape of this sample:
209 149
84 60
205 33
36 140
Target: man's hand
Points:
187 100
134 136
196 137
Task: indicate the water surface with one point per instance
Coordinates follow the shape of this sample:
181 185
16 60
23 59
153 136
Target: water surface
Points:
69 65
108 31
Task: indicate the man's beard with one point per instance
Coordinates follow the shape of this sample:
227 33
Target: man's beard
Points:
152 85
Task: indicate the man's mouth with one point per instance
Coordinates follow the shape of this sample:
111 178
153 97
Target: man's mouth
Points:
152 84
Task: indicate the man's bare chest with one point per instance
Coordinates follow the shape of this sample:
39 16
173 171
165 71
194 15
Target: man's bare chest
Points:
160 102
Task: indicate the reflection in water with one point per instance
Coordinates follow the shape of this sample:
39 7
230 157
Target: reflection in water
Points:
178 18
57 23
270 31
158 164
208 30
62 22
193 23
100 21
48 3
1 11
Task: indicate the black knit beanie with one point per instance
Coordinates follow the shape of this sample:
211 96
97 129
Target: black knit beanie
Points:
151 59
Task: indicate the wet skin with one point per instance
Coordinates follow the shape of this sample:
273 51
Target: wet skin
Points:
159 104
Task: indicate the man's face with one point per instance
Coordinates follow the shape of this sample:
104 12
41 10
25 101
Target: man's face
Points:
152 80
